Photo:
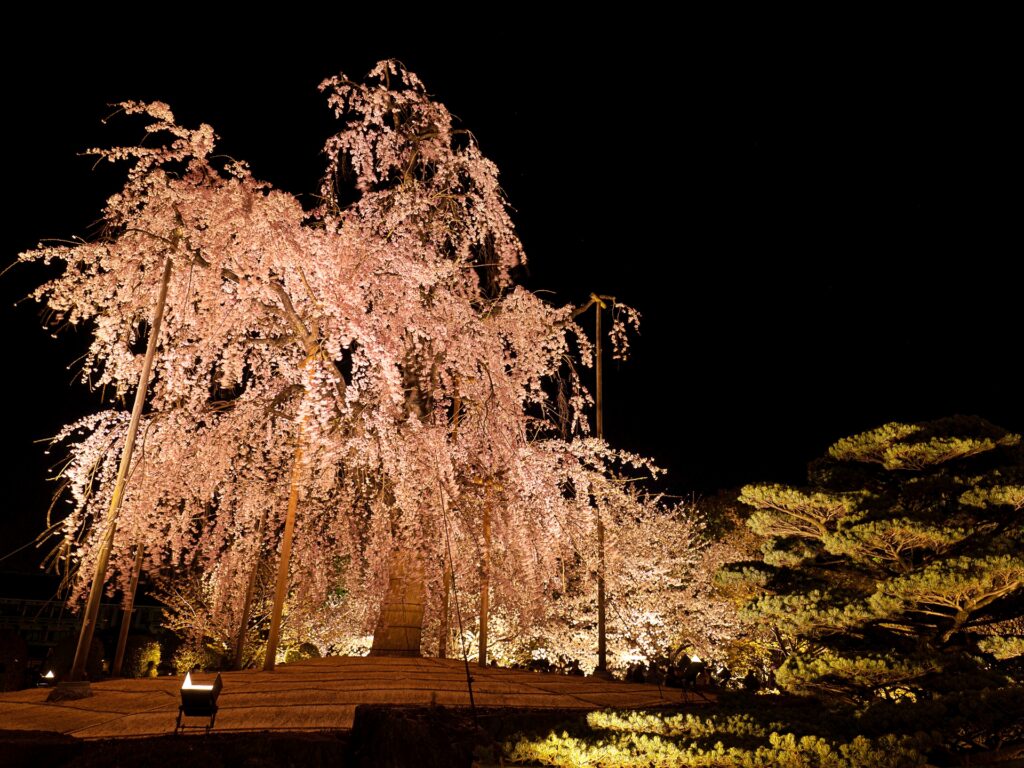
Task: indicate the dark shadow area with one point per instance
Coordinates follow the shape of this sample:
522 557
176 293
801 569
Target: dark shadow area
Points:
28 749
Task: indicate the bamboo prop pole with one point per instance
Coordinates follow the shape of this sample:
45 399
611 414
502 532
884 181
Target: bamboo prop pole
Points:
250 592
442 648
126 616
602 647
92 607
485 580
283 566
602 644
243 623
455 593
281 588
600 383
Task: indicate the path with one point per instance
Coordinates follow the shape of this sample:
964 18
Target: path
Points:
319 694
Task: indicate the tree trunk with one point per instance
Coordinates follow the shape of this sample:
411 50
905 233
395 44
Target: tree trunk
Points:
400 625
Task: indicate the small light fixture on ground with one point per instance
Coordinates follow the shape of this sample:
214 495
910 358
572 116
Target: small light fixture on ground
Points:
198 701
188 685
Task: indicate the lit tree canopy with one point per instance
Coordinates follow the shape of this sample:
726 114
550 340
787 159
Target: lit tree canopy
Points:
377 342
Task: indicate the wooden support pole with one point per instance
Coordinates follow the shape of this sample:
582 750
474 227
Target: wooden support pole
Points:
485 581
446 610
281 589
602 648
243 623
92 606
126 616
250 593
442 646
599 305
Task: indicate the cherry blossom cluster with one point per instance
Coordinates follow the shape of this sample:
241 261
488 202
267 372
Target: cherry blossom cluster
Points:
377 350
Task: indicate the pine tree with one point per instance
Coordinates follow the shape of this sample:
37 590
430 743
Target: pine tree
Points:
894 582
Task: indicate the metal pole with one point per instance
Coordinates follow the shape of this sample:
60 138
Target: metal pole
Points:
92 607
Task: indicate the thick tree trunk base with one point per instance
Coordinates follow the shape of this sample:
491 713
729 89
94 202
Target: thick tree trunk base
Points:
400 626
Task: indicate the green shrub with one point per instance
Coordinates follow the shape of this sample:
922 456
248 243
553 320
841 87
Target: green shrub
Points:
141 656
624 739
189 657
300 652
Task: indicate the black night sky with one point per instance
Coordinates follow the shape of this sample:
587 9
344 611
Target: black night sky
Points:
820 237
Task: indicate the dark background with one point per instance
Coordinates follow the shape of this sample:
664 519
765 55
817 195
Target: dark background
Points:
820 230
